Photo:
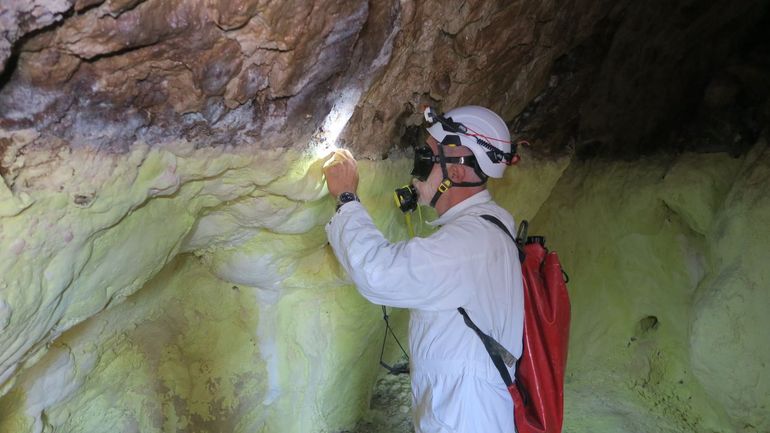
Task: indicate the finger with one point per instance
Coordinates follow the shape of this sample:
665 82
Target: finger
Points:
328 156
328 165
331 160
347 154
349 162
350 166
340 155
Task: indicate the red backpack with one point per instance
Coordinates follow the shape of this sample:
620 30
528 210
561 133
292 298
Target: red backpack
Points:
538 392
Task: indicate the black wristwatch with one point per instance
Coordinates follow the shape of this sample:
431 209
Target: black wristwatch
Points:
346 197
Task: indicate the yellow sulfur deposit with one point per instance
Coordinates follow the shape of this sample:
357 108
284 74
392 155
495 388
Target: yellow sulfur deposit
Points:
187 290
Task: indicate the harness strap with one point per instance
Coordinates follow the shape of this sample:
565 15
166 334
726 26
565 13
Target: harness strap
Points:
518 242
500 355
396 368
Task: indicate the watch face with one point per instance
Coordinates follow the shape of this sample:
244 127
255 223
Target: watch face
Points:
347 196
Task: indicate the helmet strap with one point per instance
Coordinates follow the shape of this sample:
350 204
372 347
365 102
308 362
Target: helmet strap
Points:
454 140
442 188
446 182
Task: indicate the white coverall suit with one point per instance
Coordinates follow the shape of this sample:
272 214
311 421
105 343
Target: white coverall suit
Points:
469 262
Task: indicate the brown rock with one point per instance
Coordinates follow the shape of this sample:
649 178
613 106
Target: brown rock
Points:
244 71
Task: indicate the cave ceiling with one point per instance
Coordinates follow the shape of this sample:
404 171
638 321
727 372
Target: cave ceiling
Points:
596 77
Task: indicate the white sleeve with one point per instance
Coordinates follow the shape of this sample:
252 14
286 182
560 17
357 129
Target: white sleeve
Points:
418 273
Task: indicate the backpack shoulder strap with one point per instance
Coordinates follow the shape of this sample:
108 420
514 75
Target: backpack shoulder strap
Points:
517 242
499 354
501 357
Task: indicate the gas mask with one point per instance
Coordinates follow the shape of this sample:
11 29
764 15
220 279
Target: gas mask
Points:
450 133
423 162
425 192
408 197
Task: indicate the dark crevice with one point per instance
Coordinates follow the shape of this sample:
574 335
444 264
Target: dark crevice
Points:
17 47
51 27
646 101
10 68
276 50
111 54
88 8
649 323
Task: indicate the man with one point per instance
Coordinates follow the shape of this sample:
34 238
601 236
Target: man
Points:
468 262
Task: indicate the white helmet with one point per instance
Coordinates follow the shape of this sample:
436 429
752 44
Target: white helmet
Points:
479 129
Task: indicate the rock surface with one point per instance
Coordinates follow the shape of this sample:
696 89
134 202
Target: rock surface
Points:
214 73
163 265
606 77
666 304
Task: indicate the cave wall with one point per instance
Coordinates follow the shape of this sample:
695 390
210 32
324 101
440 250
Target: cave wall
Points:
260 330
245 321
145 99
244 330
668 298
162 259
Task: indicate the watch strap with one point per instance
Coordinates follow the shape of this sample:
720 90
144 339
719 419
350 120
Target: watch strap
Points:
346 197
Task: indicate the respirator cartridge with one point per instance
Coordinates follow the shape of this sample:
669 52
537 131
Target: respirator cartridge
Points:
406 198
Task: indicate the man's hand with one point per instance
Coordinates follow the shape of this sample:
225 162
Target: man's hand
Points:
341 172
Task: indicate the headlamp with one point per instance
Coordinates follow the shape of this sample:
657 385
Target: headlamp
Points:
447 123
430 115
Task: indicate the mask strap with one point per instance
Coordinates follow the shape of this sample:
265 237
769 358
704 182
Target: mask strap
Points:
446 182
442 188
454 140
